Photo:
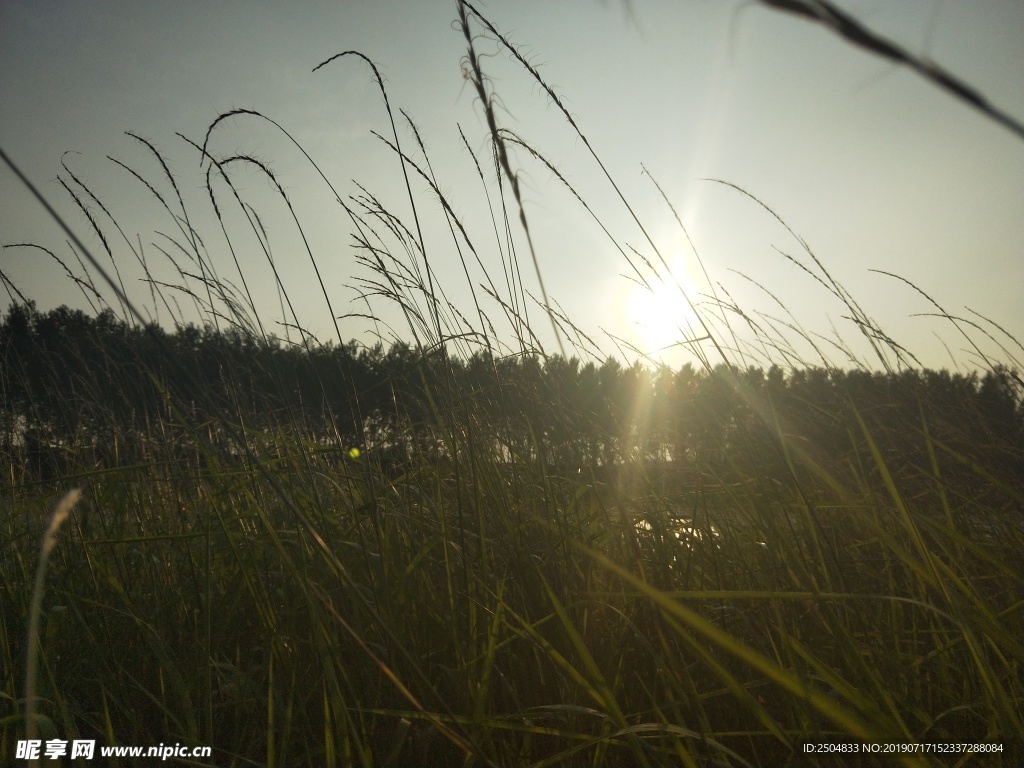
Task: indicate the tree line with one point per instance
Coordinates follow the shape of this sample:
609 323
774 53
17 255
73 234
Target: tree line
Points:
77 385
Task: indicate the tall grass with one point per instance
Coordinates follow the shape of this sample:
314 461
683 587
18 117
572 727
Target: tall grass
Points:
264 587
49 542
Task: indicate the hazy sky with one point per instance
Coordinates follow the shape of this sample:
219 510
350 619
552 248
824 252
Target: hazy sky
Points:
875 168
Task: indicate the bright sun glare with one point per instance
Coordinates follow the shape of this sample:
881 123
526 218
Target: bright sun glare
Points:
661 315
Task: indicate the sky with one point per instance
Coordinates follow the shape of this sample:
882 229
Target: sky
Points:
771 138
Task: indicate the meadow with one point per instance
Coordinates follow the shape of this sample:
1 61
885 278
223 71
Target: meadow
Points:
475 550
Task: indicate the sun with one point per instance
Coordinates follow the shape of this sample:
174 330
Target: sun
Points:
661 314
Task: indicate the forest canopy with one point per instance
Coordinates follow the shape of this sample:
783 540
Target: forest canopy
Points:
81 385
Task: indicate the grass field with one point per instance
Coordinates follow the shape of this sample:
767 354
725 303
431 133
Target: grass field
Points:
770 560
